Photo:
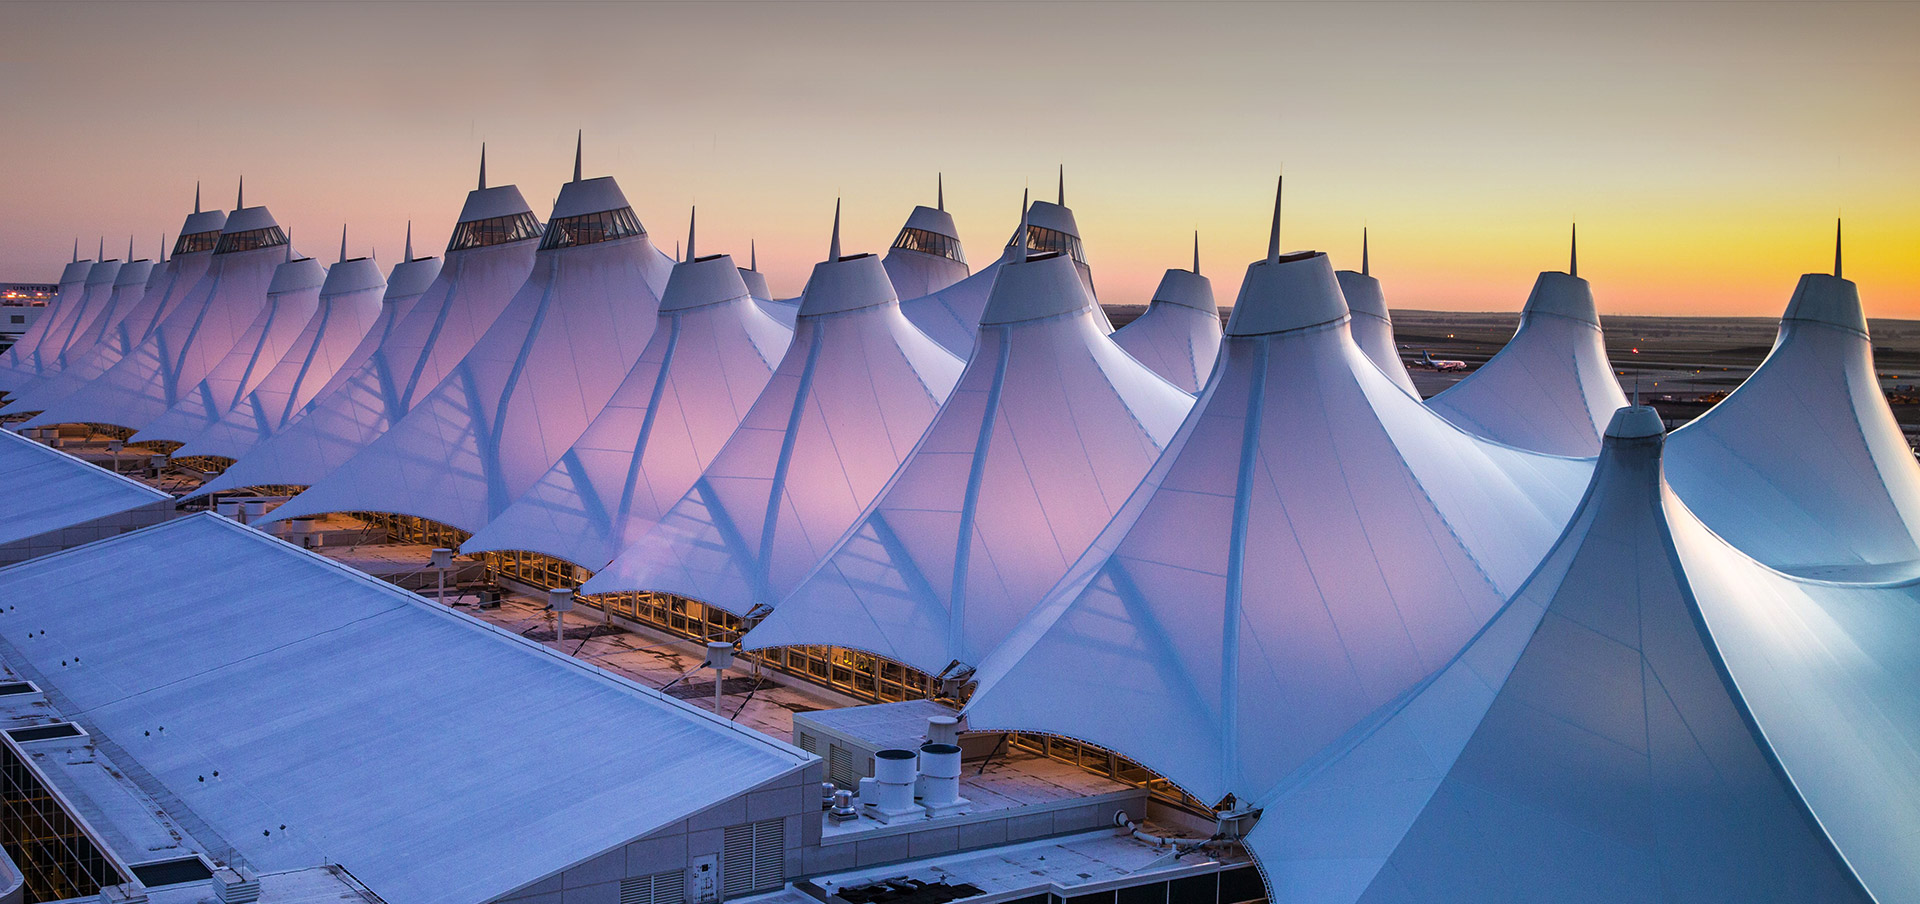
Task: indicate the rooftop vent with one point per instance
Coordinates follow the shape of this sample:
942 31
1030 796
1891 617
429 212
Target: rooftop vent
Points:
235 885
45 732
172 872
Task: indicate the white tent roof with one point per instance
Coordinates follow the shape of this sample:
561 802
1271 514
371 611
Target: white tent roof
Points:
1551 389
421 347
191 339
855 390
1372 324
1179 335
368 722
1586 747
926 257
25 360
168 283
530 386
1803 466
710 356
1047 432
1311 544
129 287
96 302
293 300
350 304
952 314
46 490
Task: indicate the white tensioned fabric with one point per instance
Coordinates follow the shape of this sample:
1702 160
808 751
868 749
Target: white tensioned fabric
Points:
350 305
1803 466
526 391
1372 326
1551 389
1585 747
129 287
21 363
1313 542
857 387
293 300
467 295
1179 335
952 314
1830 673
166 286
710 356
95 302
915 269
1050 428
184 346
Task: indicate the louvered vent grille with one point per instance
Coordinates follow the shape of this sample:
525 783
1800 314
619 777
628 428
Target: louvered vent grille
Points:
840 767
809 743
752 857
659 888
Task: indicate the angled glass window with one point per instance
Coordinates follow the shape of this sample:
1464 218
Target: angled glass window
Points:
199 241
250 240
589 228
494 231
933 243
1041 240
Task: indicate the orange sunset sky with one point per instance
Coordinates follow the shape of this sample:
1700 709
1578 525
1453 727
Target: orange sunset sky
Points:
1704 148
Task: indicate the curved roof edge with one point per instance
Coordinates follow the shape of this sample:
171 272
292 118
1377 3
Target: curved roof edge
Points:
1297 291
1187 289
204 221
847 284
1035 288
1562 295
247 219
1820 298
294 275
352 276
709 280
936 221
498 201
410 278
595 195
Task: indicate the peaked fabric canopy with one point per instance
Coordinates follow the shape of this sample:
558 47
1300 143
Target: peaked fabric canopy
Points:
1179 335
422 346
1803 466
166 286
193 337
711 354
855 390
349 306
1585 747
952 314
96 301
1313 542
1551 389
1050 428
129 288
1372 326
926 257
531 384
293 299
24 361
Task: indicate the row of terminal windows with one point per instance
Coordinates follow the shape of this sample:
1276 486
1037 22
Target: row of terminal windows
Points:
933 243
199 241
857 674
250 240
588 228
1041 240
494 231
56 857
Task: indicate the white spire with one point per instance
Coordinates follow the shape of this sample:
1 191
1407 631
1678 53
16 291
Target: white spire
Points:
1573 255
577 140
343 242
163 247
1273 237
1365 268
101 255
1836 248
483 166
833 250
240 195
753 255
409 253
196 196
940 191
1196 252
76 249
1061 198
693 215
129 247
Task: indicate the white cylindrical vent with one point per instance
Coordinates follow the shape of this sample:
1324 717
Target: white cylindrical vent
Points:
943 730
254 509
894 767
940 779
560 599
719 654
228 510
443 558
